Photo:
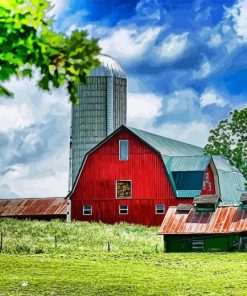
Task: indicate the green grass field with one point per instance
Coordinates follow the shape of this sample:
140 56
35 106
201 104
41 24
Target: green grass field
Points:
58 258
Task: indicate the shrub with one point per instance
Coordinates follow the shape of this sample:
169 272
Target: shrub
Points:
38 251
22 249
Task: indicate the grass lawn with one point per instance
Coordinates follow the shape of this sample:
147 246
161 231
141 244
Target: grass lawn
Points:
135 265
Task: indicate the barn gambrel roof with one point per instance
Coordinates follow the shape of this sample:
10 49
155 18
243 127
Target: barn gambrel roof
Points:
184 157
178 156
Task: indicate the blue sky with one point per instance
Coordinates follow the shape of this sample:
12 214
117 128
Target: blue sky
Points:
186 65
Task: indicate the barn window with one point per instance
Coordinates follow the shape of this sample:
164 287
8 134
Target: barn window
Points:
123 150
191 180
123 210
87 210
159 209
207 177
123 189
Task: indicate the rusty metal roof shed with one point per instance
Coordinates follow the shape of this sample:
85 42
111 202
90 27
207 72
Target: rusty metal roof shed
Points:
30 207
231 219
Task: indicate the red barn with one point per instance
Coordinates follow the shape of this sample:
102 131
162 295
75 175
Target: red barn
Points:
135 176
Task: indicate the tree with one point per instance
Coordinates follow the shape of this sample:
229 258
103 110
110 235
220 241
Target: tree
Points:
27 41
229 139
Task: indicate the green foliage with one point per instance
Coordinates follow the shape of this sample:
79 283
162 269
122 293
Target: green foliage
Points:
22 249
27 40
229 138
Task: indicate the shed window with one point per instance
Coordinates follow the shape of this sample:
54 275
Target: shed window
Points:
159 209
123 189
197 245
87 210
123 150
123 210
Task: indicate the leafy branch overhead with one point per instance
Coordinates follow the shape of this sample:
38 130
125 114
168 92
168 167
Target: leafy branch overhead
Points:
229 138
27 39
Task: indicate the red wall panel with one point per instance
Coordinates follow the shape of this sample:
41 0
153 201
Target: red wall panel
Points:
97 183
209 184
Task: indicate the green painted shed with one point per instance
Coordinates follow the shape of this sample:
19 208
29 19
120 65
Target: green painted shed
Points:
208 226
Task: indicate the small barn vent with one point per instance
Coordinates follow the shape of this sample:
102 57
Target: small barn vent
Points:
197 245
184 208
206 203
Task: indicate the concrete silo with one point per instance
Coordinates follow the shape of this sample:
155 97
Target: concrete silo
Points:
102 109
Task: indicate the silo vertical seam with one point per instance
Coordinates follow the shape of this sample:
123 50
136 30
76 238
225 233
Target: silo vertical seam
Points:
109 105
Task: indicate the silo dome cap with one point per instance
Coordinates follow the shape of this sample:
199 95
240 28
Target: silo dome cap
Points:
109 67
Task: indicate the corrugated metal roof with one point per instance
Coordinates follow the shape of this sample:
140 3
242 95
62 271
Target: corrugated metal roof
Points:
187 193
168 146
232 182
32 207
223 220
178 155
189 163
109 67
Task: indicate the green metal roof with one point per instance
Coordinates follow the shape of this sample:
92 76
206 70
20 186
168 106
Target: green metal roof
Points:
168 146
189 163
180 156
232 182
188 193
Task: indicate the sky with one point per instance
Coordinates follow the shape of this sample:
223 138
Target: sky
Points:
186 65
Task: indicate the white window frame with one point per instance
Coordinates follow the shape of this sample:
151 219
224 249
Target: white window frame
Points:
83 210
207 177
163 209
119 150
129 197
119 210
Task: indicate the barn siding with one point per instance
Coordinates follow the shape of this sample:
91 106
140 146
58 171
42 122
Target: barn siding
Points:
207 190
150 184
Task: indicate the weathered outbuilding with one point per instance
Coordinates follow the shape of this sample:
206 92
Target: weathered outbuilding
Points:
135 176
33 208
205 227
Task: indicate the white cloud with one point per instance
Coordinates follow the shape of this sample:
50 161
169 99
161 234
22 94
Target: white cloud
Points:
215 40
58 8
174 46
143 108
40 179
149 10
204 70
129 43
15 116
194 132
238 14
36 124
210 96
